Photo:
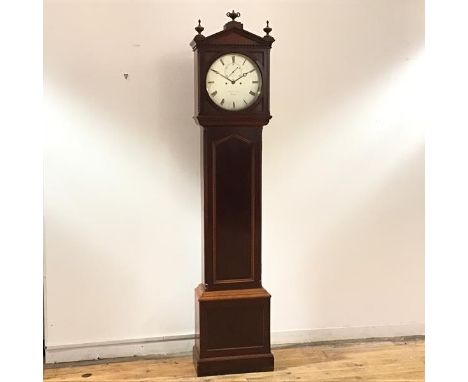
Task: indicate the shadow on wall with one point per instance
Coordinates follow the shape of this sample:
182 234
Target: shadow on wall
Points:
179 130
317 66
375 248
338 150
335 57
121 141
122 175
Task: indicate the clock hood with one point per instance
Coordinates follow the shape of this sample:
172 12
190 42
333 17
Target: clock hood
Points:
232 34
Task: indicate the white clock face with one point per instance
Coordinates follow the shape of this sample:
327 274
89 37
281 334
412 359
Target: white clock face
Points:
233 82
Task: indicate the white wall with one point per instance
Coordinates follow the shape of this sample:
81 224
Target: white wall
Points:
343 162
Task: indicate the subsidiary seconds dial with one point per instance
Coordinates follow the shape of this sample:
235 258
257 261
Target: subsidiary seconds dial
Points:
233 82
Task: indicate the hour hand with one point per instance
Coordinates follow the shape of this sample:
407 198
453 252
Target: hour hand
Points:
222 75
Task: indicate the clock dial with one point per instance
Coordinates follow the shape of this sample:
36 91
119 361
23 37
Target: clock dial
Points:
233 82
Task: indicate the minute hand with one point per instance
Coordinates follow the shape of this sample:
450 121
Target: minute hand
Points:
245 74
222 75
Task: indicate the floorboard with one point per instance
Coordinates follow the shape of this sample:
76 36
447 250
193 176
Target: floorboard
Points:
389 361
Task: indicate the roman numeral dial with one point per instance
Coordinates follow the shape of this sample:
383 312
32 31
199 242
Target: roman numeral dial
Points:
234 82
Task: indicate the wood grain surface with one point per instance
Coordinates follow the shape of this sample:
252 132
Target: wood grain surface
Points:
389 361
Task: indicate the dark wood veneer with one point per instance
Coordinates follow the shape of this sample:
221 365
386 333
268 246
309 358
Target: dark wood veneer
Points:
232 308
232 207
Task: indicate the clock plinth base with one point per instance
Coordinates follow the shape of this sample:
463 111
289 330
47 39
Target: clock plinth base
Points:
232 365
232 331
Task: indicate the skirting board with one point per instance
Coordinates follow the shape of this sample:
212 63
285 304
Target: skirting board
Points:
184 343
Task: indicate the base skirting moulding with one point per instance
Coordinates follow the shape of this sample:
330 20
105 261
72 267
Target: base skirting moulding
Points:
183 344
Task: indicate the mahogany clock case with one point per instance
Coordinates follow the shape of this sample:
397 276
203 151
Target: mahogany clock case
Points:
232 311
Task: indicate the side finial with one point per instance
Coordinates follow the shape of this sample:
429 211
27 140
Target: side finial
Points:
267 37
199 37
233 15
199 28
267 29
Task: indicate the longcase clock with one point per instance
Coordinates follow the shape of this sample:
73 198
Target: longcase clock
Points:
232 104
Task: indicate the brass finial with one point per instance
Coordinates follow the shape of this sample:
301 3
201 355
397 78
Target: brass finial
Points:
199 28
233 15
267 29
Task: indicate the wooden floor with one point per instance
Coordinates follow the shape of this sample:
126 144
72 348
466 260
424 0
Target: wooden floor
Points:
389 361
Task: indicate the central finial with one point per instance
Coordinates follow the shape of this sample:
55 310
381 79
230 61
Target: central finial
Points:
233 15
